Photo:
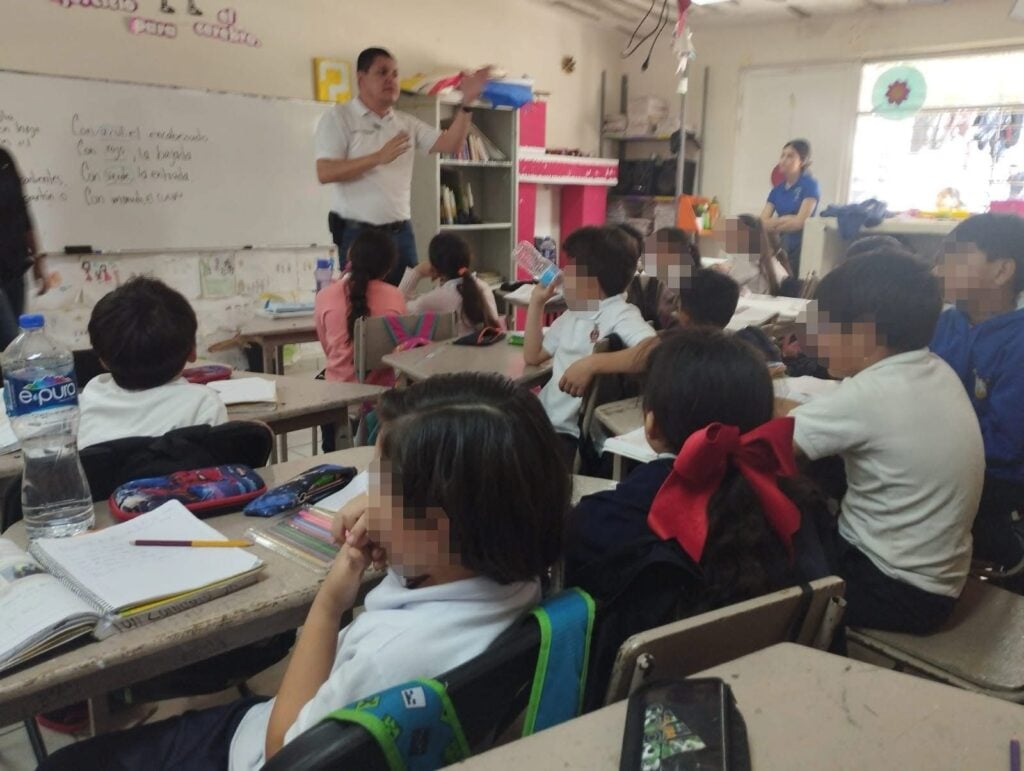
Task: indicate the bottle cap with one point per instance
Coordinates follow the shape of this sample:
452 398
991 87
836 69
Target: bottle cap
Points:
323 264
31 321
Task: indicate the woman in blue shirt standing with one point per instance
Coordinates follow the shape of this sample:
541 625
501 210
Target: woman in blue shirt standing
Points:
793 200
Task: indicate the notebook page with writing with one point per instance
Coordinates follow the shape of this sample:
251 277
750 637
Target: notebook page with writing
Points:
38 611
117 575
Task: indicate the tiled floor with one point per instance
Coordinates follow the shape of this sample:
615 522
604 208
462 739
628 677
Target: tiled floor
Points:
15 750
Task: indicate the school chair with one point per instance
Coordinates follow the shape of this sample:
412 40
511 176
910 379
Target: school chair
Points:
110 464
374 338
488 695
87 366
980 648
596 395
807 615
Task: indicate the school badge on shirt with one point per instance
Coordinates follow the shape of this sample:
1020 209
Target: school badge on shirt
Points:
980 387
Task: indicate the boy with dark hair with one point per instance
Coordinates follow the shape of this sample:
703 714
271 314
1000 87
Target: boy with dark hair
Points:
709 298
981 336
706 298
144 333
601 263
908 438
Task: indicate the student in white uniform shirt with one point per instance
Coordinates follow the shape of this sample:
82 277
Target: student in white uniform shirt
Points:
466 539
460 291
144 332
754 256
362 151
601 262
909 440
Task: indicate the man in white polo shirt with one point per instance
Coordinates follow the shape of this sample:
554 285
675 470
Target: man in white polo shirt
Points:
362 151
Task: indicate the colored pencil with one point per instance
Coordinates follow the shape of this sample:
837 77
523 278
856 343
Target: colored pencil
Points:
238 543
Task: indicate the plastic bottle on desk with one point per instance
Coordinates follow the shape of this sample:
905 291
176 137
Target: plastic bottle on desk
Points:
323 273
534 263
41 397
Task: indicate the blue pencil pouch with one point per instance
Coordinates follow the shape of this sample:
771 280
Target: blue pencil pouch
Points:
308 487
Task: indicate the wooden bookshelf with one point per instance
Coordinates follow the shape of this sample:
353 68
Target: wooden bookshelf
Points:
492 182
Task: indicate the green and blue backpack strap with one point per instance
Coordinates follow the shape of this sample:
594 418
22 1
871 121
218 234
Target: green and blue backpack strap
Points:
414 724
566 624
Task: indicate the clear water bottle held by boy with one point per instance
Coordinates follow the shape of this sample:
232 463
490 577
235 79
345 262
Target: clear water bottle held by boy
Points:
323 273
534 263
41 397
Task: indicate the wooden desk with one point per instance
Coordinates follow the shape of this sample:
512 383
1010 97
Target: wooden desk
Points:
622 416
443 358
304 402
273 334
805 709
277 602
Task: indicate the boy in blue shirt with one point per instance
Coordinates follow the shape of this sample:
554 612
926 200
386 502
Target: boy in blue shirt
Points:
981 336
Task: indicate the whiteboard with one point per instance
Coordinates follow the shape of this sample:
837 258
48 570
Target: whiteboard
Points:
124 166
816 102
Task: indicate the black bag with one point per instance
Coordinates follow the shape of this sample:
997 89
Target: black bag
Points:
665 181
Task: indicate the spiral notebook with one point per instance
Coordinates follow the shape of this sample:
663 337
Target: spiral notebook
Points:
99 583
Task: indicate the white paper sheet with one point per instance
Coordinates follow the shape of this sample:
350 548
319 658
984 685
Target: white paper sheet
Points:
245 390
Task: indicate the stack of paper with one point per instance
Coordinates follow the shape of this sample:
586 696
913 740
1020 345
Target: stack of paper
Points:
245 390
632 445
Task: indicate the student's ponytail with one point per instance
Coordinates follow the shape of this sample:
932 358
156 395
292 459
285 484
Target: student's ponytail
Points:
371 256
451 258
743 557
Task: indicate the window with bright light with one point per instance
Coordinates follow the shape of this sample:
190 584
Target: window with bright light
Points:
964 144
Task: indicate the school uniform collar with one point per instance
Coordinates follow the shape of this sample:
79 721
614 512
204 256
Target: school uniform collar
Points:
787 186
365 112
917 356
393 594
610 302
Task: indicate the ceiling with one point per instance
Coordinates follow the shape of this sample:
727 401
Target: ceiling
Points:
624 15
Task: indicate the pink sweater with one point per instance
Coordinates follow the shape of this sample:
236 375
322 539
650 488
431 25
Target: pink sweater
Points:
331 315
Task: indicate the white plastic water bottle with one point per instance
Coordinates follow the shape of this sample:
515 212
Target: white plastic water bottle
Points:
41 397
323 273
534 263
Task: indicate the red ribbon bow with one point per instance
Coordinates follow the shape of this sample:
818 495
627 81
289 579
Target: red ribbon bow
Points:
680 509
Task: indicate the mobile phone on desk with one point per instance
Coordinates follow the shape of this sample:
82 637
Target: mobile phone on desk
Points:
684 725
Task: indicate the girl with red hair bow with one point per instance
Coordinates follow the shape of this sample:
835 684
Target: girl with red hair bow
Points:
720 508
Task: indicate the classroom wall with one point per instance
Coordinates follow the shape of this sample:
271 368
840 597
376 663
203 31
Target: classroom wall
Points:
432 36
522 36
961 25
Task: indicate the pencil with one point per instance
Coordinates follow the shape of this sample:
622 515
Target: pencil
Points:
191 543
1014 755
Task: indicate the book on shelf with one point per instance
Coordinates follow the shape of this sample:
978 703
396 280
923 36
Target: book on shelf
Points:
99 583
477 148
457 206
305 536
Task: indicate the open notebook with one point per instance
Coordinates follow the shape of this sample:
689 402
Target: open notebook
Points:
98 583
